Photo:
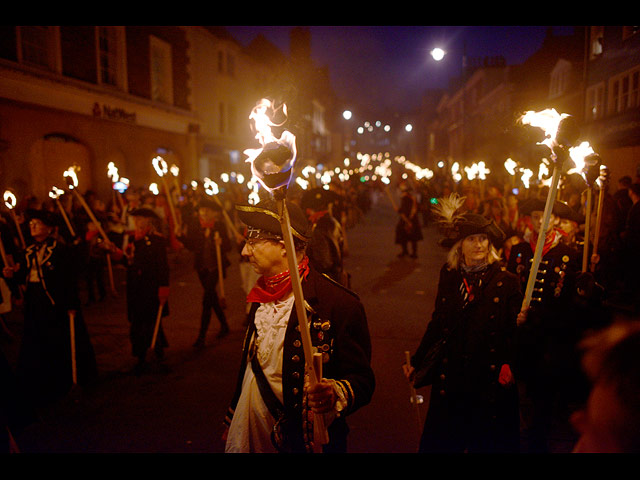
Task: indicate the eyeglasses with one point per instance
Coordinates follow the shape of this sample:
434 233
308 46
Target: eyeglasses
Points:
252 242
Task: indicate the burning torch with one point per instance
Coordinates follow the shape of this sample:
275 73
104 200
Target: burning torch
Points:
71 178
54 194
160 167
10 202
561 132
272 165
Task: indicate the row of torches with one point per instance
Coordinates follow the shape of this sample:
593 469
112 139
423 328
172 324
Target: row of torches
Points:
272 168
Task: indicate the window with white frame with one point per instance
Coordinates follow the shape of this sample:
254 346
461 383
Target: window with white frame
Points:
597 34
161 71
37 46
624 93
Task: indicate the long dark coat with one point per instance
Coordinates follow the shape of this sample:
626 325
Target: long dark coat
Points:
340 331
408 228
325 248
44 367
147 271
468 409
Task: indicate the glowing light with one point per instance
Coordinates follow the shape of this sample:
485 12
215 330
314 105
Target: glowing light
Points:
547 120
9 199
72 177
55 192
526 176
112 172
272 164
153 188
437 54
347 115
160 166
510 166
210 187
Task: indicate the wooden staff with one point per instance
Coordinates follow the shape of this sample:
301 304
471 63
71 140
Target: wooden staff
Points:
3 253
157 326
66 218
598 223
95 221
587 225
216 239
72 333
414 395
533 273
312 357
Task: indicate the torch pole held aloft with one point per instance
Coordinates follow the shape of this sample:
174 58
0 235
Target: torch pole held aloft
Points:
157 326
537 257
596 236
320 432
102 234
587 229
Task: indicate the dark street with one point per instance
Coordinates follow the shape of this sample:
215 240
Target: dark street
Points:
178 406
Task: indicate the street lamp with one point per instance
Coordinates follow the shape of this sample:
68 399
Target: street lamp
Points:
437 54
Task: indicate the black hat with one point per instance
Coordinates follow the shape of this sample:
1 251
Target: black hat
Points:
318 198
45 216
144 212
473 224
264 216
207 202
560 209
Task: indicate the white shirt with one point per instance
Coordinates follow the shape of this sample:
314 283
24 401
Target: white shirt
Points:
252 424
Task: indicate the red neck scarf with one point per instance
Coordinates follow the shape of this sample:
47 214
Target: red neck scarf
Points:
207 224
270 289
317 216
550 241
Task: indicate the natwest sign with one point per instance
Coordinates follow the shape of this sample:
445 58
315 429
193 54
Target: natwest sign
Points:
113 113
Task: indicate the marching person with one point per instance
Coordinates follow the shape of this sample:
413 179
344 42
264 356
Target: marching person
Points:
47 271
145 256
550 328
408 230
470 342
325 249
201 238
272 374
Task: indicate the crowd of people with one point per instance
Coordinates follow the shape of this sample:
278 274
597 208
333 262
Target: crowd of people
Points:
503 350
492 362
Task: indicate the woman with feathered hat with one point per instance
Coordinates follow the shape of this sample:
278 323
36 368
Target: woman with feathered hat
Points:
467 351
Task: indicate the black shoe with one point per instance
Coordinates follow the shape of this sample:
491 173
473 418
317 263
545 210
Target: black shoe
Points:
414 255
199 343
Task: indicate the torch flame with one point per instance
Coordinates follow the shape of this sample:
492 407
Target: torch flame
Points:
112 172
9 199
548 121
72 177
55 192
210 187
578 154
510 165
272 164
175 170
160 166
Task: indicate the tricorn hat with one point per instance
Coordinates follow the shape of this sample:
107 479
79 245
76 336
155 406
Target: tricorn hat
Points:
45 216
560 209
144 212
318 198
473 224
266 217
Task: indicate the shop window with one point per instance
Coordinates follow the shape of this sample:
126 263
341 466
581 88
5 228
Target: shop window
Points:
161 71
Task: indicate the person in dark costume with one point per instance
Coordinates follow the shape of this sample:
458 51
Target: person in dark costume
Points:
272 371
550 329
145 255
201 237
325 249
473 405
47 271
408 229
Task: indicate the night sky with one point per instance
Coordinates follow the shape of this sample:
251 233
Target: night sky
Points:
391 65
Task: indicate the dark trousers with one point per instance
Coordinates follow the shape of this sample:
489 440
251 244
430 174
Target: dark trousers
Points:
210 300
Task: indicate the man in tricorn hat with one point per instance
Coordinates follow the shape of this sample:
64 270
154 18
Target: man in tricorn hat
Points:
145 255
47 271
201 238
552 325
272 375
